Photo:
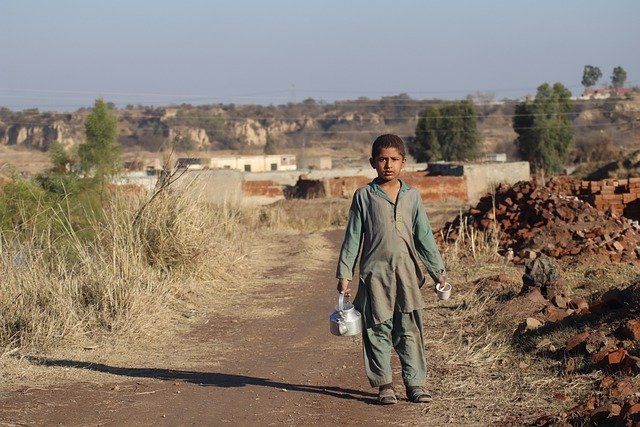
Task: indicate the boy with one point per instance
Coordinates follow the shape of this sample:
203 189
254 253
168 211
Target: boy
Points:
388 222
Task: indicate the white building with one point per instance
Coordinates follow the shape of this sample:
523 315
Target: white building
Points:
261 163
315 162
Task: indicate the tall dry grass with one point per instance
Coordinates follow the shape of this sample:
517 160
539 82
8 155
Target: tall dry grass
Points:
303 215
144 260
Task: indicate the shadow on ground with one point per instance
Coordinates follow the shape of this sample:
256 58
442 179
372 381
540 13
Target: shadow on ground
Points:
213 379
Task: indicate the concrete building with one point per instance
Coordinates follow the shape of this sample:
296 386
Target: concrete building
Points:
315 162
263 163
495 157
481 177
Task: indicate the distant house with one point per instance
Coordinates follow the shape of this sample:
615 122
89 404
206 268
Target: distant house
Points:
315 162
494 157
604 92
192 163
260 163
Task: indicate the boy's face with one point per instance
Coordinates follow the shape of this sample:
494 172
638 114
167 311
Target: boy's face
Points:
388 163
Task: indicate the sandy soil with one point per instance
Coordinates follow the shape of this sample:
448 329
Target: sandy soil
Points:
262 356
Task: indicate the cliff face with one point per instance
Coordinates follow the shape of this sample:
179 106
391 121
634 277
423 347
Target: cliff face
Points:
199 128
234 127
39 136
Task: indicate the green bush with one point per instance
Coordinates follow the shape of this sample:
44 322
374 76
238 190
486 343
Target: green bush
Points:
23 205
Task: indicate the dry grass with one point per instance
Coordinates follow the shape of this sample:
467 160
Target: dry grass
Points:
472 350
304 215
475 365
130 279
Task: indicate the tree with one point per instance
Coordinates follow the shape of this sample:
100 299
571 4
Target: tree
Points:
426 147
590 76
618 77
61 159
270 145
447 132
544 128
100 154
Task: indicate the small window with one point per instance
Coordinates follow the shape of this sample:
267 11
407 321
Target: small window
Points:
227 166
274 166
247 168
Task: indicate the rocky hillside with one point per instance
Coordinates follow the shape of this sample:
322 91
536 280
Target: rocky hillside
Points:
600 126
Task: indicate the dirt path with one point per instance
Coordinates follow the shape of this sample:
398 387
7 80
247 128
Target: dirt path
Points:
272 363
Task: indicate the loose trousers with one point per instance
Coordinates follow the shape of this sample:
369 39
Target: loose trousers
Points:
403 333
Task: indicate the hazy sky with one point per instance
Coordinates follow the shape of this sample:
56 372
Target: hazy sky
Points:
62 54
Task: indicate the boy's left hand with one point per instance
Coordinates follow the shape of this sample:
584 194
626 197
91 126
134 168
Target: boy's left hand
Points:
343 287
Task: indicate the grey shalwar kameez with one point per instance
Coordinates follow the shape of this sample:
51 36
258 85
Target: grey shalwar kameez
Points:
392 238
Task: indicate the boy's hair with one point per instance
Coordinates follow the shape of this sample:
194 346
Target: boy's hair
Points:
387 141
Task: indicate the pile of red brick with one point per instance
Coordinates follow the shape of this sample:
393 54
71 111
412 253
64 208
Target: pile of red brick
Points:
616 196
550 220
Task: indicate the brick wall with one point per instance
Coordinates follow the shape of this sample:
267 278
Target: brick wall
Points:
432 188
345 186
438 188
265 188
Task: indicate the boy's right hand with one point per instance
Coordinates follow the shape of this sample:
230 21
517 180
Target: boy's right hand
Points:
343 287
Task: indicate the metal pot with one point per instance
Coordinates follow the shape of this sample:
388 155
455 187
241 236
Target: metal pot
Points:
345 320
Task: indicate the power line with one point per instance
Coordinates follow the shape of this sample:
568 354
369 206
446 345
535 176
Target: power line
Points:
379 104
284 92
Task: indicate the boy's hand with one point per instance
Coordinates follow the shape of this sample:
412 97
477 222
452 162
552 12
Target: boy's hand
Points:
343 287
442 280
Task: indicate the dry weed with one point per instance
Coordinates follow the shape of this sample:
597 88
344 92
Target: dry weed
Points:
477 358
127 280
304 215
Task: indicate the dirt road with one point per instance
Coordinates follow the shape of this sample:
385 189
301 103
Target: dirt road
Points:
280 368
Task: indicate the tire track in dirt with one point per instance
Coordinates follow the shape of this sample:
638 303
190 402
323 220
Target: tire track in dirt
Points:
266 358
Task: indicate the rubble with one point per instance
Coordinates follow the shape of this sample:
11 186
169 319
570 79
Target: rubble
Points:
614 350
565 218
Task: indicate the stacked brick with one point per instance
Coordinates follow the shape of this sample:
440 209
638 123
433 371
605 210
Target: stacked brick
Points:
620 197
549 220
262 188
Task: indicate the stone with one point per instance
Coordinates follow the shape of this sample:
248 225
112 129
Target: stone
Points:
631 329
599 356
540 272
579 303
532 323
616 357
607 382
621 389
561 301
576 340
535 296
633 409
554 314
632 364
597 341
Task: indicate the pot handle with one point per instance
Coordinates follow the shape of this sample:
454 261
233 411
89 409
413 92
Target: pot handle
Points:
341 302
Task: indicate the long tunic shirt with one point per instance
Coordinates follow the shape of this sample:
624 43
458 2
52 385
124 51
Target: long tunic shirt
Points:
392 238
